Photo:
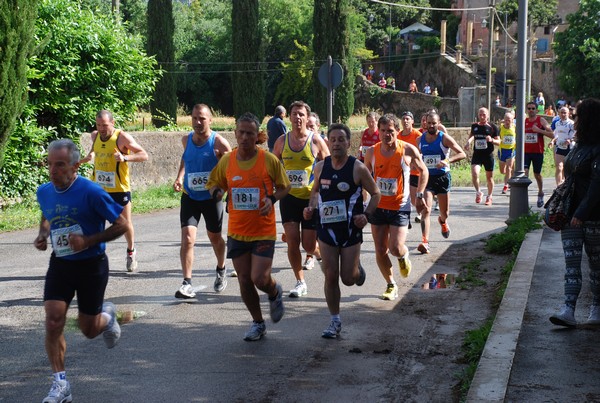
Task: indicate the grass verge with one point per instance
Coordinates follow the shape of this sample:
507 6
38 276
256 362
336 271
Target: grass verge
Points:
507 242
26 214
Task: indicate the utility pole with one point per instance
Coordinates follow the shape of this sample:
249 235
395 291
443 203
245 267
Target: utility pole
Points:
490 82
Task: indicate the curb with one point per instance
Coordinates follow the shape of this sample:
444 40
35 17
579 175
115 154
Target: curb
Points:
493 371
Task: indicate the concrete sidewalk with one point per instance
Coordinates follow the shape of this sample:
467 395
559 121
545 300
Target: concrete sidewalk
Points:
526 358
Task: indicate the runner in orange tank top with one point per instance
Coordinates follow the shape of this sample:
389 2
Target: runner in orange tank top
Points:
249 174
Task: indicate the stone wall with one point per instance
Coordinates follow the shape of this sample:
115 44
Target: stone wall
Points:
164 150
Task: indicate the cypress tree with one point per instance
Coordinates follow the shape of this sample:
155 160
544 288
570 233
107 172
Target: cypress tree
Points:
331 37
248 81
161 27
17 26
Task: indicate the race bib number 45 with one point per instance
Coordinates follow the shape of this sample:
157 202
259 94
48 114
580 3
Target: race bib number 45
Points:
60 239
245 198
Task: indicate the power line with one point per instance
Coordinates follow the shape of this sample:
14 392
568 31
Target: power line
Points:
387 3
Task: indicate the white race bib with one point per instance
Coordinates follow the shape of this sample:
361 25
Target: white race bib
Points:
60 239
298 178
563 145
333 211
197 181
387 186
245 198
480 144
106 179
431 161
508 140
531 138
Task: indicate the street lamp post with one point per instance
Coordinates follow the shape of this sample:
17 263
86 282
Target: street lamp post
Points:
488 98
390 41
505 54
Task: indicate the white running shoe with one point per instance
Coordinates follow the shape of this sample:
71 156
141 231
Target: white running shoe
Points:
309 263
565 317
112 333
185 291
594 318
60 392
333 330
299 290
256 332
131 261
220 280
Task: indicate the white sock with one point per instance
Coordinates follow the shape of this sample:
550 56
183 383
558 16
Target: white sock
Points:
336 318
60 376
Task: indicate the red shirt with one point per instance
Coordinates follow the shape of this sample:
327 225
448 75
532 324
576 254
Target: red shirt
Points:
367 140
534 142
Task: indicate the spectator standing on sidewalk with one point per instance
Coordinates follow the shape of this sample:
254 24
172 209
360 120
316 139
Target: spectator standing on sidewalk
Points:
583 166
74 214
276 126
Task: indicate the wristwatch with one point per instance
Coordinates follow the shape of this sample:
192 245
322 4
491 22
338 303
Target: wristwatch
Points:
419 195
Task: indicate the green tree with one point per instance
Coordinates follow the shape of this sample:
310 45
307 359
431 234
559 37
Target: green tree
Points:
203 48
160 44
85 62
578 52
17 23
287 42
247 82
540 12
331 30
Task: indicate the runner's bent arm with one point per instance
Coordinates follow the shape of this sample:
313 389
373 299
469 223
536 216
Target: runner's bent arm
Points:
178 184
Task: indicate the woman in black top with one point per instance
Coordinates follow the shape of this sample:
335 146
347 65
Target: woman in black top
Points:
583 165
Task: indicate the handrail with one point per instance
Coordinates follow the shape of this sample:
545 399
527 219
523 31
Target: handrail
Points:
464 60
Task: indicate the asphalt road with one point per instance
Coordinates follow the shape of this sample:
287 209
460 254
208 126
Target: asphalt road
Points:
193 351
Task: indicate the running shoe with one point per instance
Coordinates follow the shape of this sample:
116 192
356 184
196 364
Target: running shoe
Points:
478 196
276 305
445 228
112 332
309 263
131 262
256 332
594 318
405 265
505 189
565 317
437 205
488 200
362 275
233 273
299 290
185 291
220 280
418 218
60 392
390 293
540 200
333 330
423 247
